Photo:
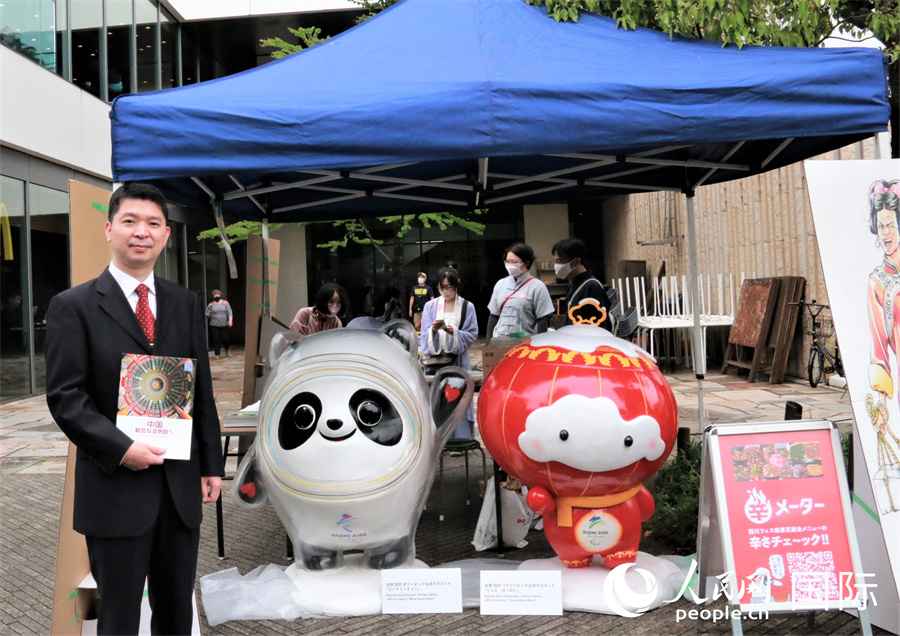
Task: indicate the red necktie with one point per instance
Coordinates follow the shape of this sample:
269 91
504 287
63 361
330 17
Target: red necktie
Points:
144 315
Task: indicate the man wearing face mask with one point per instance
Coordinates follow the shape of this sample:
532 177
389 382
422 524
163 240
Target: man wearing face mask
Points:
520 304
569 256
418 296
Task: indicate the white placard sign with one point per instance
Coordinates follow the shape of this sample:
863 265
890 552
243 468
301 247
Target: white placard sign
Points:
521 592
421 591
171 433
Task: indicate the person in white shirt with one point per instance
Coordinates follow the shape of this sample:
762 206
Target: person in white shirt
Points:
520 304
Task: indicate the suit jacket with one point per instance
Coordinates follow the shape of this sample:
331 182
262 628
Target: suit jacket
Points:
89 328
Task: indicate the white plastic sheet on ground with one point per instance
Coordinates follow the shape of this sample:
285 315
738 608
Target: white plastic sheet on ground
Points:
352 590
648 584
275 592
264 593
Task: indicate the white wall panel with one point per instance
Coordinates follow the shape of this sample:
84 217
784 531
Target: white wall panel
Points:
188 10
96 137
43 115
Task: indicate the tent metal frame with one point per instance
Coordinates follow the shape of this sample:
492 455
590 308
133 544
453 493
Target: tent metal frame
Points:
464 187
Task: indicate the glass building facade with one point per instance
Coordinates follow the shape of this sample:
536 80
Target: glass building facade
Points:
35 259
109 47
34 224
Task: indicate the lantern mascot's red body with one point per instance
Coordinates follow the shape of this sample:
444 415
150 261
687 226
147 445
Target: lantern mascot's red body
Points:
583 419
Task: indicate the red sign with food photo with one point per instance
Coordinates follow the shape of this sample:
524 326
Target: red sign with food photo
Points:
786 518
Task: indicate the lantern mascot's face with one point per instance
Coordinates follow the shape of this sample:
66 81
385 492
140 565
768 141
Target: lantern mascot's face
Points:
582 418
349 435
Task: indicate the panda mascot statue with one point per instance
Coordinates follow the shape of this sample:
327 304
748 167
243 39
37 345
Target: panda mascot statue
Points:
349 435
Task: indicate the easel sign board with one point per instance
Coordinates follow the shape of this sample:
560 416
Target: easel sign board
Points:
783 512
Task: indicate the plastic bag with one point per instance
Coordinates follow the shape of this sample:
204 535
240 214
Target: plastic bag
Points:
264 593
516 520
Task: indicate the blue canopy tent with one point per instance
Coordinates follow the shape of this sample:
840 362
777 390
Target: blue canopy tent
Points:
447 105
437 105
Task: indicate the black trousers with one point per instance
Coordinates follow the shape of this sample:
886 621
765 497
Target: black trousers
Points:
220 337
166 555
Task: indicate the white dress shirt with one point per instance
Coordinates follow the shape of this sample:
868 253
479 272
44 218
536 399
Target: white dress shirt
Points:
129 285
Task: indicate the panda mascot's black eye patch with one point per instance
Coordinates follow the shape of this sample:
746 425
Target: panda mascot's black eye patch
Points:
298 420
376 417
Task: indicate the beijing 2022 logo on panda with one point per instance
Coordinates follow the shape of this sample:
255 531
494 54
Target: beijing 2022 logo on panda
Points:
598 531
352 536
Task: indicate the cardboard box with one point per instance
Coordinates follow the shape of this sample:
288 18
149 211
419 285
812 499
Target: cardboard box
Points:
494 352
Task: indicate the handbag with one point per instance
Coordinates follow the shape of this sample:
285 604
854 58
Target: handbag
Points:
440 360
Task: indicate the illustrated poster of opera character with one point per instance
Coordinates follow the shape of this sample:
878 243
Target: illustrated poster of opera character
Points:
855 207
884 322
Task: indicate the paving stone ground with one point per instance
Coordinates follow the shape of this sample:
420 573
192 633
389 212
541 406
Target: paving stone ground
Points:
32 470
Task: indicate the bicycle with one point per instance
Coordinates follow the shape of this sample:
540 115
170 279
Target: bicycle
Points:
821 360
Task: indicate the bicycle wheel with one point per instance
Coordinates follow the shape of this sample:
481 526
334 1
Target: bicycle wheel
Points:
814 370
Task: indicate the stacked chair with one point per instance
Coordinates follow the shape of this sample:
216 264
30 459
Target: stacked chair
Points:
666 319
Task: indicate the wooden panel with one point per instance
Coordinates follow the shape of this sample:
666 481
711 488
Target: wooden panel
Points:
784 324
269 328
88 211
750 327
256 308
88 207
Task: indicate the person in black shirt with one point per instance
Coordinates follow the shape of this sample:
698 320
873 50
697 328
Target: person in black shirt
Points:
418 296
569 256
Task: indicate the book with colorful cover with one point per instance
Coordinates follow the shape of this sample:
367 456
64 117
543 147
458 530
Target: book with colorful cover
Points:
156 386
156 395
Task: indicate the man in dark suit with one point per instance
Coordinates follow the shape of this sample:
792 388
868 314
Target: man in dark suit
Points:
140 513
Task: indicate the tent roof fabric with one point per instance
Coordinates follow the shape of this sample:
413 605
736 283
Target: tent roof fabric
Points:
446 105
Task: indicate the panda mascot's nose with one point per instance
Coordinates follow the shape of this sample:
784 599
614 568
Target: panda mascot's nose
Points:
335 424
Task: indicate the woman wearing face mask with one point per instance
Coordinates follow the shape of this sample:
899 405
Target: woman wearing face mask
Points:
323 315
418 296
520 303
449 326
220 318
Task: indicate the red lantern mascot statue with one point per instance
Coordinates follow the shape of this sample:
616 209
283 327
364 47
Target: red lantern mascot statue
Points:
583 419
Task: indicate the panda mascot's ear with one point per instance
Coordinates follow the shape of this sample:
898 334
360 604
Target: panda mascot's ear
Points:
280 343
248 489
451 395
404 333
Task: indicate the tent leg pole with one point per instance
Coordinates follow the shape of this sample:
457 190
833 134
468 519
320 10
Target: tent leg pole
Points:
699 349
267 307
229 255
